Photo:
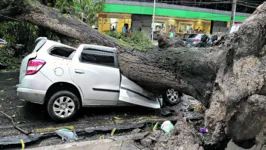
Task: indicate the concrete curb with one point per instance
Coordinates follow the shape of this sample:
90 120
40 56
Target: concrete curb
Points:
91 145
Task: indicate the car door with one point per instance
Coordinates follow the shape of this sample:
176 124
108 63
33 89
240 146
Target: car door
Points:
132 93
95 70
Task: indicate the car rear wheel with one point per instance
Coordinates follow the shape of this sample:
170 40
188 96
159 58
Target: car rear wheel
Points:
63 105
171 97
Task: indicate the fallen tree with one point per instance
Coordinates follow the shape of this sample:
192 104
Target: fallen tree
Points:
229 78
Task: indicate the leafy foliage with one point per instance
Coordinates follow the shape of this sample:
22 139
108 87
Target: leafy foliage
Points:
85 10
136 40
7 58
19 33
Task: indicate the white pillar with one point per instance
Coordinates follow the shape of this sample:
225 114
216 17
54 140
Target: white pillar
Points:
233 13
153 18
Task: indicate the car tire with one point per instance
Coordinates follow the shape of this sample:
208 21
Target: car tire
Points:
63 105
171 97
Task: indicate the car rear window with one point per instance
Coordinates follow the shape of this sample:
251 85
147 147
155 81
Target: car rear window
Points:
192 35
62 52
38 44
98 57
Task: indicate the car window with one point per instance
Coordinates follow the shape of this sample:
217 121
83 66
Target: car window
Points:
62 52
192 35
199 35
38 44
98 57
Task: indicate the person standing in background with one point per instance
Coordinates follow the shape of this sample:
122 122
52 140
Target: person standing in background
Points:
125 28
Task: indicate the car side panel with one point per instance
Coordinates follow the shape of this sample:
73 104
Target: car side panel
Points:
56 68
132 93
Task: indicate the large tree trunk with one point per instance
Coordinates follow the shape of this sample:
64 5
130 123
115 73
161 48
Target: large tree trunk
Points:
228 78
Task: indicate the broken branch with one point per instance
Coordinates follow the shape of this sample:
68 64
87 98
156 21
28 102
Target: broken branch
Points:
13 123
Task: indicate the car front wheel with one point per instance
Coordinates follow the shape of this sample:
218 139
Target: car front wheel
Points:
172 97
63 105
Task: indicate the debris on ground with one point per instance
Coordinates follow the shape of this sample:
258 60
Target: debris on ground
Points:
16 140
203 130
67 135
113 132
111 127
167 127
14 124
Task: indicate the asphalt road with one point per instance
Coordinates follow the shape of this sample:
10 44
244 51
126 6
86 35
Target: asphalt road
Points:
33 117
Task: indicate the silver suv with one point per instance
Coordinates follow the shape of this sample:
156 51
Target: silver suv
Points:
65 79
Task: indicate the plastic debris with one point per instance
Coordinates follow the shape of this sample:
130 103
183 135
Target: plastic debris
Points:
167 127
67 134
203 130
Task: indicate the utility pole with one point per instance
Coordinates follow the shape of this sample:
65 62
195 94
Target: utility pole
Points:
233 13
153 18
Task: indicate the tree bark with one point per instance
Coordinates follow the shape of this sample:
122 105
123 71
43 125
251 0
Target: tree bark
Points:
227 78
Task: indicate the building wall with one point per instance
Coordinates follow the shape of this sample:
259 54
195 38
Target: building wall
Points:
142 21
219 26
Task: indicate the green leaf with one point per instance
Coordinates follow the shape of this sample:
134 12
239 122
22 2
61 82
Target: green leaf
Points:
155 127
1 91
20 106
117 118
13 116
113 132
9 79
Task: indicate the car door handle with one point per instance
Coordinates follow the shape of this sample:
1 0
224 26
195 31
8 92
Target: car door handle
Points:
79 71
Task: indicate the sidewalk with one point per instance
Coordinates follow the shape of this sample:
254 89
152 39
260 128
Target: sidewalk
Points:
106 144
116 143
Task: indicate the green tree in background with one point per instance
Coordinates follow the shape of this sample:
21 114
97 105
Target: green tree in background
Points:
85 10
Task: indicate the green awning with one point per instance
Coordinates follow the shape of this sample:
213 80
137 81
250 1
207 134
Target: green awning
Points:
145 10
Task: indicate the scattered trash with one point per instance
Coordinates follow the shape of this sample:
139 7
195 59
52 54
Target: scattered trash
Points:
198 107
155 127
22 144
9 79
67 134
1 91
102 137
113 132
0 106
167 127
203 130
